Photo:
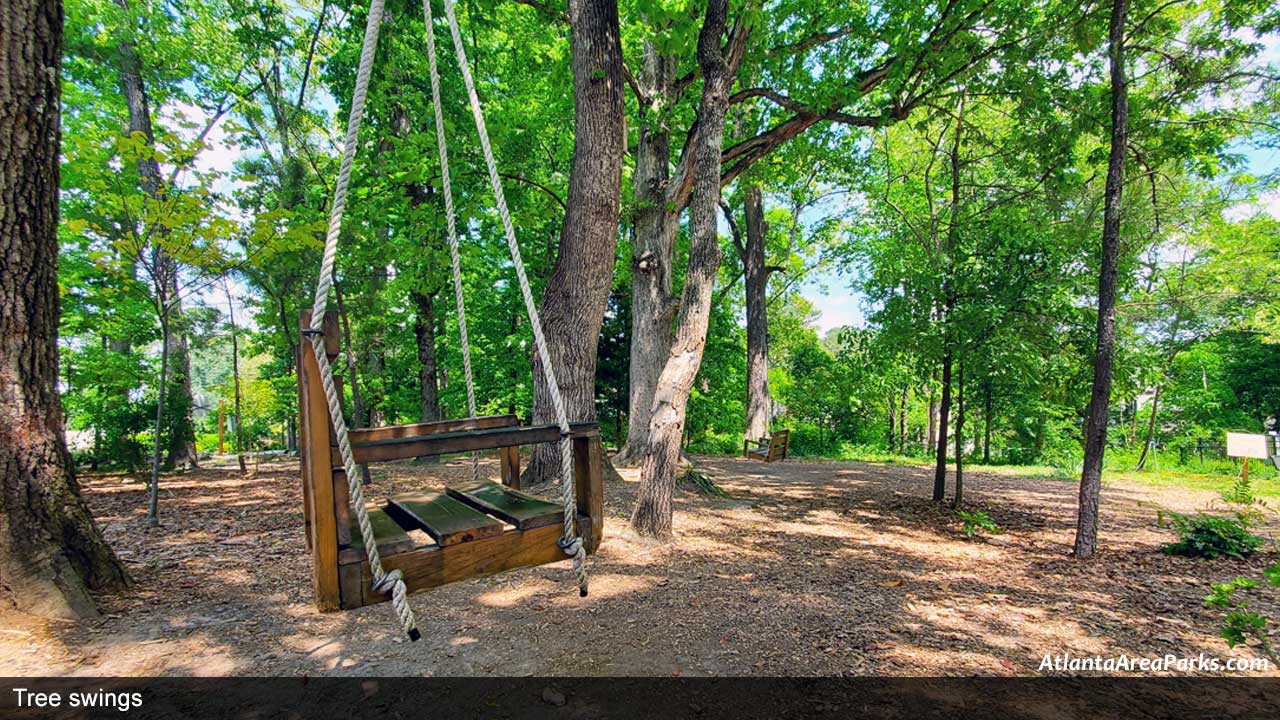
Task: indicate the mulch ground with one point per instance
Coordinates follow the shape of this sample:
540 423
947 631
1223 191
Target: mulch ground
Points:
816 568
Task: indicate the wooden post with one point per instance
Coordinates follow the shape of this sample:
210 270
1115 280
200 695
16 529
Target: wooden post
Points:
509 458
304 466
588 472
314 440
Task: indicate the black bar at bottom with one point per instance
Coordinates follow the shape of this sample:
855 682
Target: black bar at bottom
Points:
664 698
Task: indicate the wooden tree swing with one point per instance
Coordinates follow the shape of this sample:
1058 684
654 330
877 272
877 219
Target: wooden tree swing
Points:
473 529
479 528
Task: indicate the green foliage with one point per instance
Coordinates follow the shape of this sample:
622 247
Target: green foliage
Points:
994 264
976 522
1242 623
1209 536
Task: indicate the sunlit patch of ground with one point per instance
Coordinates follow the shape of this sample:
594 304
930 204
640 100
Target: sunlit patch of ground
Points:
809 568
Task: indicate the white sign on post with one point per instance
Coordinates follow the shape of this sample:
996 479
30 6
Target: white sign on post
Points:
1247 445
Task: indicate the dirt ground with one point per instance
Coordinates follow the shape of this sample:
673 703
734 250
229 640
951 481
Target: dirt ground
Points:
810 569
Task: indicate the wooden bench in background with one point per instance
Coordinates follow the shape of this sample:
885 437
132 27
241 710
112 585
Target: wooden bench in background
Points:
771 450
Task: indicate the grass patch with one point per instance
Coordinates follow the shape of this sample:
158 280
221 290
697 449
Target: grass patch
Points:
1267 487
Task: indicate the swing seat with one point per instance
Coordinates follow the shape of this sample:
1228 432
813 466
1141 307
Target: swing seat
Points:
471 529
770 450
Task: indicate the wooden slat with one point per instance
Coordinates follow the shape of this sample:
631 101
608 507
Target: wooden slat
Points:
392 432
391 538
342 506
434 565
351 585
458 442
588 473
523 511
445 519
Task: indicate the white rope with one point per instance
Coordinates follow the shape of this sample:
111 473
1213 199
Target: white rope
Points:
452 224
383 581
569 540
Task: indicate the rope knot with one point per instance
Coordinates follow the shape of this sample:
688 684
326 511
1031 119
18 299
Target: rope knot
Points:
570 545
388 581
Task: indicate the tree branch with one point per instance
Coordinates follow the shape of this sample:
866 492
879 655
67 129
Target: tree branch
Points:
808 43
546 9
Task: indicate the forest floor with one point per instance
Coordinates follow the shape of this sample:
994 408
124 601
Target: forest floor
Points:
811 568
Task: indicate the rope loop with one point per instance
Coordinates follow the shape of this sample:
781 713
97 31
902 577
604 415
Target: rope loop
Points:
387 582
567 499
569 545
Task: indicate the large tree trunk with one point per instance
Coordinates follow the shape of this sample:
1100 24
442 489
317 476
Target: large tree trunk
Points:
656 227
652 514
756 276
51 551
424 332
577 292
1095 435
180 428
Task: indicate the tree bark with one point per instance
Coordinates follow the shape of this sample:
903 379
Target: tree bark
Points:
892 434
424 333
950 336
181 427
902 420
1151 430
932 432
1095 440
577 292
375 361
757 286
944 410
986 423
656 225
652 513
51 551
349 353
235 377
958 498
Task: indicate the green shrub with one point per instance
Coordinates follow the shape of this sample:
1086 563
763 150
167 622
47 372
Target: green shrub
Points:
1210 536
976 522
1242 623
